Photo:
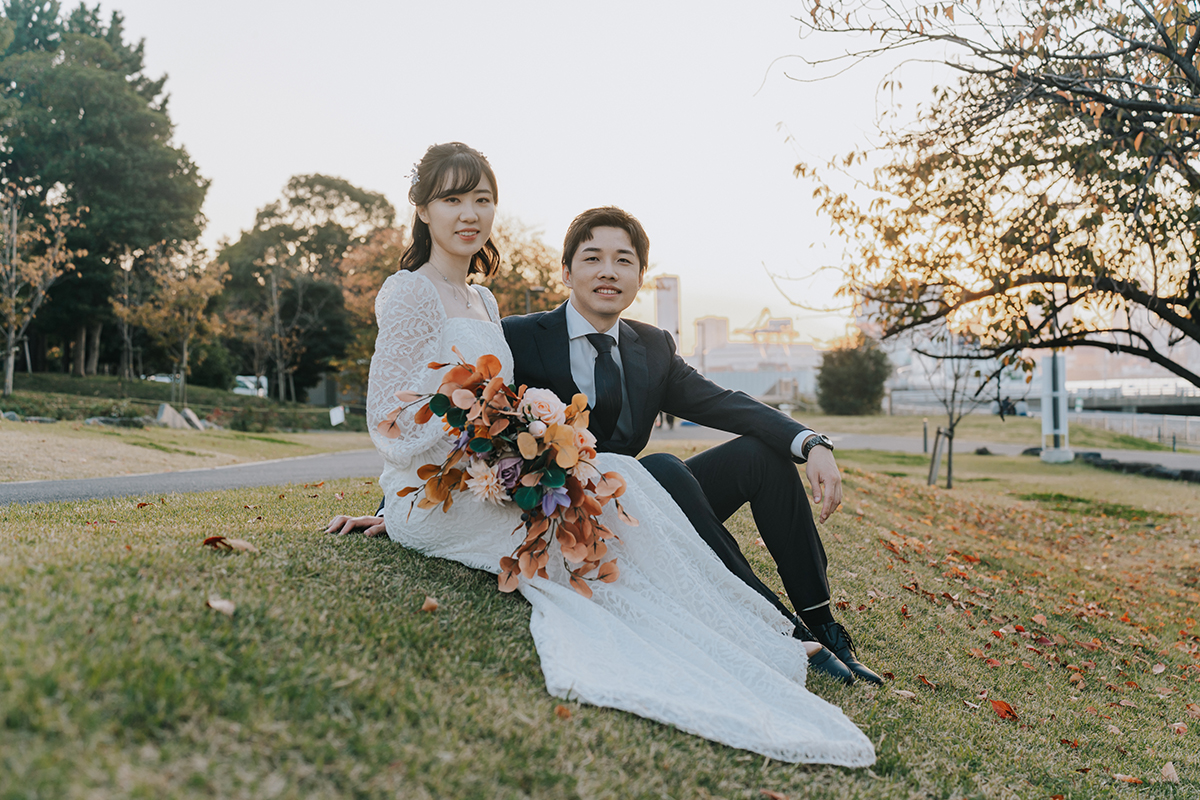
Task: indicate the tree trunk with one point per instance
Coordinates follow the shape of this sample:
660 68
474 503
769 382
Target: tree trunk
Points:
79 351
183 370
93 352
10 361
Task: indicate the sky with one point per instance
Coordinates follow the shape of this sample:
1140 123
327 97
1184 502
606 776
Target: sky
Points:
681 113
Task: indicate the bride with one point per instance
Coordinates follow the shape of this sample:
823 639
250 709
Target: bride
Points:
677 637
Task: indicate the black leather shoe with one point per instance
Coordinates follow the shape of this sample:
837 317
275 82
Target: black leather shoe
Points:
837 639
824 661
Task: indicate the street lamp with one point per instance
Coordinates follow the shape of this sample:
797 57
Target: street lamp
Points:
528 291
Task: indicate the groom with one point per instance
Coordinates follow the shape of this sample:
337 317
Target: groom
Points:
630 372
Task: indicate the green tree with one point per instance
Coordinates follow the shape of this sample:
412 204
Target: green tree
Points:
286 269
1060 170
530 274
850 380
88 123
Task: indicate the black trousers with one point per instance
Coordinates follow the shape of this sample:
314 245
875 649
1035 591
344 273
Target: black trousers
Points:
712 485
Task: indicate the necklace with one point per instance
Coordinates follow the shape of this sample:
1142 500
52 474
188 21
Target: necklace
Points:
467 293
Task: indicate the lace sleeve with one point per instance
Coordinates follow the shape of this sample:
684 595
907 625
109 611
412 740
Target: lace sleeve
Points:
410 320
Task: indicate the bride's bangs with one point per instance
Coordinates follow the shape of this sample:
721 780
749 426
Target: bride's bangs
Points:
462 174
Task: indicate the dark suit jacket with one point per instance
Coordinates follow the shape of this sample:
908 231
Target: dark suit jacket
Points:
656 378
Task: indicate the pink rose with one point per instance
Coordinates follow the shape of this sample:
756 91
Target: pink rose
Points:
543 404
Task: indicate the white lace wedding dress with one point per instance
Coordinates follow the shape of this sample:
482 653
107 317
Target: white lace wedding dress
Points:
677 638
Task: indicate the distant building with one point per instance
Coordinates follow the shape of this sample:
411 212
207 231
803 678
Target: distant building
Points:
767 361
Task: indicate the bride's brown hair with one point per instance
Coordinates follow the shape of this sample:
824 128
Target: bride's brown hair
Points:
448 169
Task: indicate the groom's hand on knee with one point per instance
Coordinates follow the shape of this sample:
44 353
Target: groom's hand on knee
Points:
826 479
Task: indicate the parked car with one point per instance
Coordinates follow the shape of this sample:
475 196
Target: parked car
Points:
245 384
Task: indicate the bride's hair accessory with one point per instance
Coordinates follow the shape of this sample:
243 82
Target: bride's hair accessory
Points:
414 175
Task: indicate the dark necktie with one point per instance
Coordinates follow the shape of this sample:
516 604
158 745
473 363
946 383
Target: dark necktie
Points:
608 387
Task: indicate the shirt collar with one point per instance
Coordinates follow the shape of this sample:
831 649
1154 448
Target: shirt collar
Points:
578 327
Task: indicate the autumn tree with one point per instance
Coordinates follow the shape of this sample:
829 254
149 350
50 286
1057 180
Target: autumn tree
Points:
87 119
851 378
530 271
1058 170
179 312
33 257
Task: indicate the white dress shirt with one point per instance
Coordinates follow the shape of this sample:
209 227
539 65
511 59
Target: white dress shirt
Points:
583 354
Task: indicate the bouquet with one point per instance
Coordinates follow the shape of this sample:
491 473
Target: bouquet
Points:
526 447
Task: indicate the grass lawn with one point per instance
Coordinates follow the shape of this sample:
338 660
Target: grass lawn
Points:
116 679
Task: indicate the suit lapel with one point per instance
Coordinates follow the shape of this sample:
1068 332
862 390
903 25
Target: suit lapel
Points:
637 374
554 350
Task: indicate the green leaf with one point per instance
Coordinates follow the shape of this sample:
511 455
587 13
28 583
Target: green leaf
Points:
528 497
439 404
554 477
479 445
456 416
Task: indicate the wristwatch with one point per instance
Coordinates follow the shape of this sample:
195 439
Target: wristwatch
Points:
814 440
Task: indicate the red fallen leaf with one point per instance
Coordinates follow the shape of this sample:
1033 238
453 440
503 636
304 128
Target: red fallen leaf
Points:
998 634
1179 728
926 681
760 542
250 507
142 505
1043 641
130 549
1040 619
1084 770
314 495
1091 646
1019 628
993 663
1003 709
1193 710
282 496
562 712
112 522
1125 618
772 794
1132 684
1125 778
1058 797
340 496
891 676
430 604
1027 665
1071 743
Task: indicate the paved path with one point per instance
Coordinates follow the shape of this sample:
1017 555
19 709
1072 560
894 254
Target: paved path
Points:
913 444
367 463
304 469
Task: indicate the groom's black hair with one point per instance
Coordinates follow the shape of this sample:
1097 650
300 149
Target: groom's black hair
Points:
580 231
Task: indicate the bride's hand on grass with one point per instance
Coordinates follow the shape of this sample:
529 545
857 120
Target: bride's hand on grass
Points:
370 526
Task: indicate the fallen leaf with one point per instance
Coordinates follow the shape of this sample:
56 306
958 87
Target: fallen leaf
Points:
222 543
142 505
1084 770
1114 730
1058 797
1169 774
905 694
970 704
993 663
771 793
1040 619
226 607
1178 727
760 542
562 712
926 681
1125 778
430 604
1193 710
249 507
1071 743
891 676
1159 669
1003 709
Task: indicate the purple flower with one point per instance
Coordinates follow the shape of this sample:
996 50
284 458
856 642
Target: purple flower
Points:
509 471
463 438
553 498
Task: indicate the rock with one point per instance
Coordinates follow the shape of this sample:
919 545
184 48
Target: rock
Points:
192 419
43 420
119 422
168 417
982 451
12 416
1032 451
